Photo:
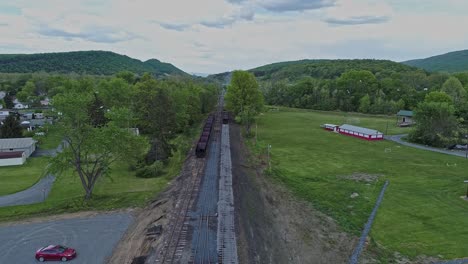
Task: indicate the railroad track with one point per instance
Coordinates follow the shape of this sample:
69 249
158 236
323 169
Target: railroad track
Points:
175 245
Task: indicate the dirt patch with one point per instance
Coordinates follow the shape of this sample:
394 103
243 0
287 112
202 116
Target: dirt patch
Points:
274 226
361 177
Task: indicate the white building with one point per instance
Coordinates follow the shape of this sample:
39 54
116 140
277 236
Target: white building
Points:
12 158
26 145
4 115
2 94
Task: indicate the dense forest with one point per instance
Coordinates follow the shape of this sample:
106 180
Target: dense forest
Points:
456 61
367 86
83 62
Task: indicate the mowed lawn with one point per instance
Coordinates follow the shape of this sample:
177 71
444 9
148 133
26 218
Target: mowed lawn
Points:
121 189
422 212
17 178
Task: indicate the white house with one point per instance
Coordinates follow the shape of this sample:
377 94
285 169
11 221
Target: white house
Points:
2 94
26 145
12 158
19 105
4 115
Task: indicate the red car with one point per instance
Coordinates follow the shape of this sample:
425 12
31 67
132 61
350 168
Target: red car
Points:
53 252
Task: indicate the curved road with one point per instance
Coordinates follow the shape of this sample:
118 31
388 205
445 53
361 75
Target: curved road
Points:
397 139
35 194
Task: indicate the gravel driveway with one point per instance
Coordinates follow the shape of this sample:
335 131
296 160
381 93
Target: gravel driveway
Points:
397 139
93 238
35 194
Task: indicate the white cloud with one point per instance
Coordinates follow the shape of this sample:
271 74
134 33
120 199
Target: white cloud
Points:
215 35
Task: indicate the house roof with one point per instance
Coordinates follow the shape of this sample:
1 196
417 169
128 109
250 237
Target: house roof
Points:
405 113
10 155
362 130
15 143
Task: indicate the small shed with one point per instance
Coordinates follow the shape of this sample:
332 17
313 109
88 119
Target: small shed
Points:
26 145
12 158
330 127
405 118
360 132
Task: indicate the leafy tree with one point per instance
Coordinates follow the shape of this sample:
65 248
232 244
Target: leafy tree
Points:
11 128
91 150
364 104
454 88
157 115
436 124
438 97
243 97
8 101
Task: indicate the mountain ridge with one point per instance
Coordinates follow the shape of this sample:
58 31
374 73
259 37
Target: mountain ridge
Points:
95 62
454 61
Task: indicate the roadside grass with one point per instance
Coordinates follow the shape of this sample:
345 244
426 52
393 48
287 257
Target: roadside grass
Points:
121 190
17 178
421 213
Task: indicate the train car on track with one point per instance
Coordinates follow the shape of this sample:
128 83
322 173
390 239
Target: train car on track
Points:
202 145
225 117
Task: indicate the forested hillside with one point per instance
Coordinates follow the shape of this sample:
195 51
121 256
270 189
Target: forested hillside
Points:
83 62
456 61
325 69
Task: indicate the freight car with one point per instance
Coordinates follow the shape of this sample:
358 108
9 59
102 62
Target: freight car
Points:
204 139
225 117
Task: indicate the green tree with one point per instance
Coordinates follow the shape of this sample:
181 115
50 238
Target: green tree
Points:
8 101
243 97
11 128
454 88
353 85
438 97
436 124
364 104
91 150
157 115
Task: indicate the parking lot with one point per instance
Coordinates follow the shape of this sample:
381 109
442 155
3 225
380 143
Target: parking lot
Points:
93 238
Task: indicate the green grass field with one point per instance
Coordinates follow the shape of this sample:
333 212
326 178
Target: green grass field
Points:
17 178
422 212
122 189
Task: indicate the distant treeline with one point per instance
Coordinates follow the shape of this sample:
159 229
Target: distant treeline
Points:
83 62
367 86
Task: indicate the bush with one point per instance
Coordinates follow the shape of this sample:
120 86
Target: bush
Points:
151 171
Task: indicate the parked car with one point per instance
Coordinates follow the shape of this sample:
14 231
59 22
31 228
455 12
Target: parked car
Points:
458 147
55 252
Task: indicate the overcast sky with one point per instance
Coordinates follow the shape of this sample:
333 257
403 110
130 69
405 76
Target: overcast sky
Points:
211 36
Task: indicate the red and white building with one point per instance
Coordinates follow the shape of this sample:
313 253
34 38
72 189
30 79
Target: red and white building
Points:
330 127
360 132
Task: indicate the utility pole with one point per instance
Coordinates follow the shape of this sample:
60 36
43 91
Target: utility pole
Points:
268 156
255 133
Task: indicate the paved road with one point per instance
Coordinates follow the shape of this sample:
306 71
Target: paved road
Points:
35 194
93 238
397 139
